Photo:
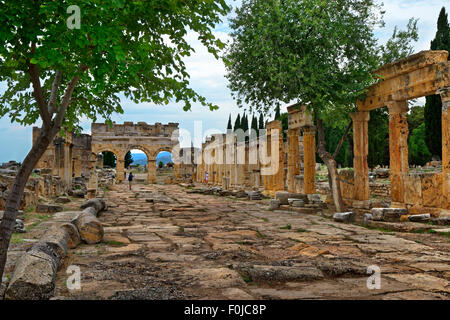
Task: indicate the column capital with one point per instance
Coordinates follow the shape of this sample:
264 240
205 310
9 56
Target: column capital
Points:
308 129
397 106
360 116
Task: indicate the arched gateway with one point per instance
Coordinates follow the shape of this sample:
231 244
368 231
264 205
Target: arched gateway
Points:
121 138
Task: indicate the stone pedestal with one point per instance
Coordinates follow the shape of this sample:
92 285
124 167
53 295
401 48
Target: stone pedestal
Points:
360 152
398 148
445 97
309 149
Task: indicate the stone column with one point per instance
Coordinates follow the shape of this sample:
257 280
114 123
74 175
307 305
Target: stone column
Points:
360 152
120 168
293 158
398 148
445 97
151 169
309 149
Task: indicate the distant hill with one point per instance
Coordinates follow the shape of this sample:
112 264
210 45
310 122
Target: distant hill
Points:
141 158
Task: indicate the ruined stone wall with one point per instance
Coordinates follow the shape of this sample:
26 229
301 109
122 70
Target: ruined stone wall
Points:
46 185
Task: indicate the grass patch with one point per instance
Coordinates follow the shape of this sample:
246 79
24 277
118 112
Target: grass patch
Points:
286 227
29 209
17 238
260 235
265 219
181 229
43 217
246 278
386 230
301 230
314 223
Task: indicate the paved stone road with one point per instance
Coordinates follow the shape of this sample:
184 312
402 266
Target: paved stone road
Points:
192 246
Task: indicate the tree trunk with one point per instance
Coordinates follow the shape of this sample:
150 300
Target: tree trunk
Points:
329 161
15 193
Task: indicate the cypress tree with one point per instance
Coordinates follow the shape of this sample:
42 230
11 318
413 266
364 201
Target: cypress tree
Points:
244 123
261 121
277 113
254 126
237 122
229 126
128 159
433 106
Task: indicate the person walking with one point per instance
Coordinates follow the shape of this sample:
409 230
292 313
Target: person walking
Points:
124 175
130 178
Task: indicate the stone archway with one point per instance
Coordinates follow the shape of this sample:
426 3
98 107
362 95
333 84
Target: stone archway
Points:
121 138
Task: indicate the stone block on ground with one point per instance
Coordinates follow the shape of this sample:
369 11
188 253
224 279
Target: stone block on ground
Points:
274 204
419 218
90 228
344 217
33 278
74 236
48 208
98 204
443 221
388 214
366 218
62 200
297 203
35 272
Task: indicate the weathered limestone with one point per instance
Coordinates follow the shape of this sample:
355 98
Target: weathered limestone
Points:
445 97
360 152
309 147
35 271
90 228
417 76
293 158
398 148
422 74
344 217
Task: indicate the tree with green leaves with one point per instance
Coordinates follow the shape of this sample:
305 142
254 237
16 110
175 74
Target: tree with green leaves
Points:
229 126
57 72
313 52
128 159
237 123
109 159
433 106
418 152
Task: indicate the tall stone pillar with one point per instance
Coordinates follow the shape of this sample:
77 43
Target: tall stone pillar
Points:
398 148
445 97
275 132
309 149
120 168
360 152
293 158
151 170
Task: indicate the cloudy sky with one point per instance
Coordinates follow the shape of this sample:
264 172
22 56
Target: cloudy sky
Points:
208 79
